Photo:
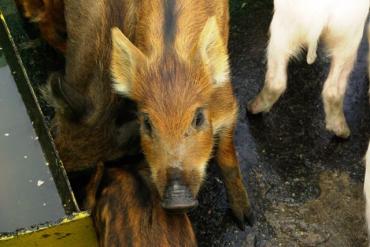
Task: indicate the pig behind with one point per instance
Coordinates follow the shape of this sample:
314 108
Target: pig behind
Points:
126 211
367 160
49 15
298 24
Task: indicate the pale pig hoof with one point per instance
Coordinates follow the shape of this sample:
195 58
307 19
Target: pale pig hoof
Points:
256 106
340 130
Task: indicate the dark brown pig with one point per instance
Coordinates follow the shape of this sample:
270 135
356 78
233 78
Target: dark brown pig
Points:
126 211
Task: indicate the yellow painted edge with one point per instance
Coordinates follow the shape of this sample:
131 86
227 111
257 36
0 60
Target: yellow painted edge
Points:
74 231
75 216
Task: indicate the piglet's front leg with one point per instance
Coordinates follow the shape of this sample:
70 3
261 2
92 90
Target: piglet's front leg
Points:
236 192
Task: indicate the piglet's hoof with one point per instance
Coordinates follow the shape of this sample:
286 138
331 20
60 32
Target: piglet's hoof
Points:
257 105
340 129
242 211
243 218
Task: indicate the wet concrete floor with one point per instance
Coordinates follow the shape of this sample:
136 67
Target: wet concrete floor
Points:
305 185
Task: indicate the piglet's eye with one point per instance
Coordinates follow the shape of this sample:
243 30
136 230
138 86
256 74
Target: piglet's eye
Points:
147 124
199 118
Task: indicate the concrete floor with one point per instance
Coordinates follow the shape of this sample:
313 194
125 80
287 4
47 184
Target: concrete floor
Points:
305 185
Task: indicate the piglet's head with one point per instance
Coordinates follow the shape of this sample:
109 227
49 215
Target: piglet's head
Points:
173 92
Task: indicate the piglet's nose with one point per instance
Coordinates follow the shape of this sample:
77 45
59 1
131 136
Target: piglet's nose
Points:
177 198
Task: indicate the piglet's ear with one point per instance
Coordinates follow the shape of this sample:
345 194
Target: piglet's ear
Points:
65 99
214 53
125 59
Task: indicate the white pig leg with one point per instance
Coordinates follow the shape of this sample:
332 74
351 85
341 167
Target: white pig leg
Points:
368 58
282 45
367 189
344 52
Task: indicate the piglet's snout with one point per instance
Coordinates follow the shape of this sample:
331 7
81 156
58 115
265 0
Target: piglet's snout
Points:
177 197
